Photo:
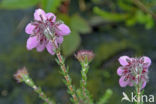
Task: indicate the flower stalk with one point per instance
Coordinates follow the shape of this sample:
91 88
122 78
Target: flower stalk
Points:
64 71
23 76
84 77
85 57
83 83
138 89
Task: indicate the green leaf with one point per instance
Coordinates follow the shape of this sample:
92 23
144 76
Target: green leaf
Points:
115 17
131 21
71 43
78 24
17 4
141 17
150 22
50 5
126 5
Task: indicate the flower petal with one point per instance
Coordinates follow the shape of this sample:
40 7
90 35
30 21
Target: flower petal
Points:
29 28
122 82
120 71
32 42
123 60
131 84
63 30
51 15
59 39
50 48
40 47
38 14
147 60
144 84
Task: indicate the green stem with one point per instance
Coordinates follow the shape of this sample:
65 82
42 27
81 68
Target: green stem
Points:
38 90
85 92
138 96
64 71
138 90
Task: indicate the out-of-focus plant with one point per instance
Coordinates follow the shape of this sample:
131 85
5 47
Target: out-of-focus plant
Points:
105 97
130 11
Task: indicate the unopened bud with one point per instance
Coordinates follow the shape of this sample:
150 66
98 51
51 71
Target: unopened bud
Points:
85 55
20 74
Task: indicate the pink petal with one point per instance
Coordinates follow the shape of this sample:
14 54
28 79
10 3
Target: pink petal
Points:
144 84
123 61
59 40
49 15
29 28
120 71
40 47
63 30
122 82
147 60
50 48
131 84
38 13
32 42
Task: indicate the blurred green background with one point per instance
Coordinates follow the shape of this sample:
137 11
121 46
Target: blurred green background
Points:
110 28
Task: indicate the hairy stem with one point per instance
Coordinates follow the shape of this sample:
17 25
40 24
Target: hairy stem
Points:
64 71
138 90
85 92
138 96
38 90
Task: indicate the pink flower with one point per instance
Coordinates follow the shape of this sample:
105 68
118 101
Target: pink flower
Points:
133 71
43 29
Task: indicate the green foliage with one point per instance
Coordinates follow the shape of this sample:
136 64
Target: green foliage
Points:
79 24
104 99
71 43
17 4
126 5
50 5
145 19
115 17
131 15
47 5
96 1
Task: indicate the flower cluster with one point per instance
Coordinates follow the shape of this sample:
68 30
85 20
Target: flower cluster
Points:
134 71
43 29
85 55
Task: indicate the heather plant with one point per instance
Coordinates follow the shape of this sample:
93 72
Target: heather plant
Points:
48 32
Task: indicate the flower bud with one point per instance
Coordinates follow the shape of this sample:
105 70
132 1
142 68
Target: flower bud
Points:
85 56
20 74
